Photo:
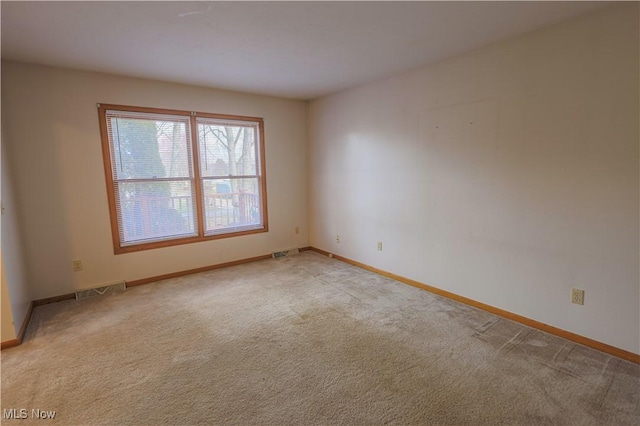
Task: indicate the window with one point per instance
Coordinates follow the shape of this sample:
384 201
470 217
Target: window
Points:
176 177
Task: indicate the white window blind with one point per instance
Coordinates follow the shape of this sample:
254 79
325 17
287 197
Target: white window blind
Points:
152 174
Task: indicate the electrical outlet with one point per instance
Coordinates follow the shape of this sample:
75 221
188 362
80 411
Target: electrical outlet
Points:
297 230
379 245
577 296
77 265
337 239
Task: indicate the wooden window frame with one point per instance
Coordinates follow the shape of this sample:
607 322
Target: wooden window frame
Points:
118 248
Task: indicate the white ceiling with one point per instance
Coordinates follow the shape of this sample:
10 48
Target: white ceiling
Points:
297 50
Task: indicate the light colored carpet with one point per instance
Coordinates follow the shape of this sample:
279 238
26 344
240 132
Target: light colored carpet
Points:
304 340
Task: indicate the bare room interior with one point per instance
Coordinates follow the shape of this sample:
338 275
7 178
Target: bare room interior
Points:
320 212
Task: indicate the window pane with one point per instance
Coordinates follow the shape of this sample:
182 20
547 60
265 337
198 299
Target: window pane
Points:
230 204
226 148
147 148
149 211
153 163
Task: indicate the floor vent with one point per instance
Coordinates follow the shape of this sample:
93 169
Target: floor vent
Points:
118 287
284 253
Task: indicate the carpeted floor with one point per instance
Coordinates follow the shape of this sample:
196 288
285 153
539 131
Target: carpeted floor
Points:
303 340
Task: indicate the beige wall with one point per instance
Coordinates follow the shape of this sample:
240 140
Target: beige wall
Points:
8 330
507 175
16 293
51 122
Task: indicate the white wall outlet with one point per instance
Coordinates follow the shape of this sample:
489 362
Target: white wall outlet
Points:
77 265
379 245
577 296
297 230
337 239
